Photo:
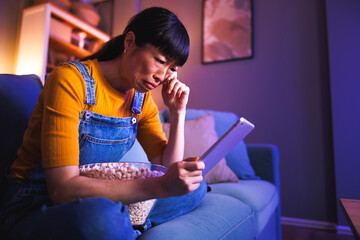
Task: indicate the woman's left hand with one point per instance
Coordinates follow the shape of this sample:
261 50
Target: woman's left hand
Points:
175 93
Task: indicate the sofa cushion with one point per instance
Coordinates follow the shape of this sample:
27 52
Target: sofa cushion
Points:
18 96
261 196
237 159
217 217
199 136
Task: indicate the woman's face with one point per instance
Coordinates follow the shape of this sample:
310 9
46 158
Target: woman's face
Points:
147 68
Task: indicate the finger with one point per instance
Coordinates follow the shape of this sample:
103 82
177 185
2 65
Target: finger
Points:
165 82
195 180
172 76
194 174
171 85
183 91
198 179
177 89
164 85
194 165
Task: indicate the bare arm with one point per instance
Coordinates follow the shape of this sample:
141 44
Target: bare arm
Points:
174 150
175 95
65 184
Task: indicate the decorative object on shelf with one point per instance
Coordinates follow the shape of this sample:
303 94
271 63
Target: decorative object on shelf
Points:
87 12
60 30
82 36
81 40
227 30
64 4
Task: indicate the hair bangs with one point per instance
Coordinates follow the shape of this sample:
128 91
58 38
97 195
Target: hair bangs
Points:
163 30
174 44
157 26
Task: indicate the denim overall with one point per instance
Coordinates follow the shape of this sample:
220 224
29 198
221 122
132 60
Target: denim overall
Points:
101 139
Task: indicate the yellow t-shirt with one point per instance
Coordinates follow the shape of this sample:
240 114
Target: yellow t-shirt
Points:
52 134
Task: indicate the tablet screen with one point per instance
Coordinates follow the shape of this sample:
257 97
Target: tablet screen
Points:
226 143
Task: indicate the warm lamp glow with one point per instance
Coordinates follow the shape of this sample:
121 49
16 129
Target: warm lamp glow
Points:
33 42
35 33
4 69
29 65
6 64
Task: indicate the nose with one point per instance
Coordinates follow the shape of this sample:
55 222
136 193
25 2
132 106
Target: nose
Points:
161 74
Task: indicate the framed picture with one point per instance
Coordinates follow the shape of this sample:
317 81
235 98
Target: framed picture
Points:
227 30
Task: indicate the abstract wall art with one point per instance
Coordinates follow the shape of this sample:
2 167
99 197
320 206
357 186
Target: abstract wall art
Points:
227 30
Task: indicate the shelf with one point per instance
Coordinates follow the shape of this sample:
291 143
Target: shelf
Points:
67 48
45 42
71 20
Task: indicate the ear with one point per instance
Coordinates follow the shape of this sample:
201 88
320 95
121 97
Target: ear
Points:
129 41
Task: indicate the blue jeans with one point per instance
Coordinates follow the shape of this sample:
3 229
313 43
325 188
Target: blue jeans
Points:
25 216
91 218
168 208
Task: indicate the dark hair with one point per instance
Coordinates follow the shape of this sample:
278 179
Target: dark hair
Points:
157 26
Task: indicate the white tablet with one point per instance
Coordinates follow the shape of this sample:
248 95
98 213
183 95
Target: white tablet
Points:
226 143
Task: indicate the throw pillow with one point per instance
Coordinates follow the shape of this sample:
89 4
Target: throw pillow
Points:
199 136
238 159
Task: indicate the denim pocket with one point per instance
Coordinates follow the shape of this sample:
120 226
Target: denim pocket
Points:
86 138
94 150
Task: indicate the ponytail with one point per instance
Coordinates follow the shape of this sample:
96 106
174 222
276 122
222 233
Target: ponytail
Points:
110 50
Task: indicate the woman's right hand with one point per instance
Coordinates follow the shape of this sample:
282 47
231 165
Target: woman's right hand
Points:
183 177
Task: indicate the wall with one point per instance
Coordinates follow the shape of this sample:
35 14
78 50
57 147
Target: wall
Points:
9 21
344 51
284 90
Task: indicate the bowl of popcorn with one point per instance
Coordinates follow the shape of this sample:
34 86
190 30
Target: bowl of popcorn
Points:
139 211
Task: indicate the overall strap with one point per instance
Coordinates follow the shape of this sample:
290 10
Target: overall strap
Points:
89 82
138 102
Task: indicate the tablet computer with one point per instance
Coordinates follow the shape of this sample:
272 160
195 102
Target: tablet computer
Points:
226 143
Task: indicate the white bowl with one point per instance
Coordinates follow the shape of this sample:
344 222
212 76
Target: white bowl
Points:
138 212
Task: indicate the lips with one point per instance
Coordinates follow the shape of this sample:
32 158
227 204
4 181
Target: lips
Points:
149 85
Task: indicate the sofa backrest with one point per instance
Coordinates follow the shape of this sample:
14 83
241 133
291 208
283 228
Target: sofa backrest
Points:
237 159
18 96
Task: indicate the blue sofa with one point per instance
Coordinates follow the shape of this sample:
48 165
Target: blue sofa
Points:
249 209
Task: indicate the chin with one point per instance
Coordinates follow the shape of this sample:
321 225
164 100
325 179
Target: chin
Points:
141 90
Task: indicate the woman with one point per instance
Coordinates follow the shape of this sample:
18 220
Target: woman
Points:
92 111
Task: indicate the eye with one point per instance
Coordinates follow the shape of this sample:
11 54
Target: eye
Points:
173 69
159 60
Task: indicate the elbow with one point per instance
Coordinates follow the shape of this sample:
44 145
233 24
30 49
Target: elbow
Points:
61 194
57 196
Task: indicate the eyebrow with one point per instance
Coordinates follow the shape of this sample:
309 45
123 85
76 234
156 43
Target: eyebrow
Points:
156 51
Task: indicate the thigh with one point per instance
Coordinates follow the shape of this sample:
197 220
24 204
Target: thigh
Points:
91 218
169 208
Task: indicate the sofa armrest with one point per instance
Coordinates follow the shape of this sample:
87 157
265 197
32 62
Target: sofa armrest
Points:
264 158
